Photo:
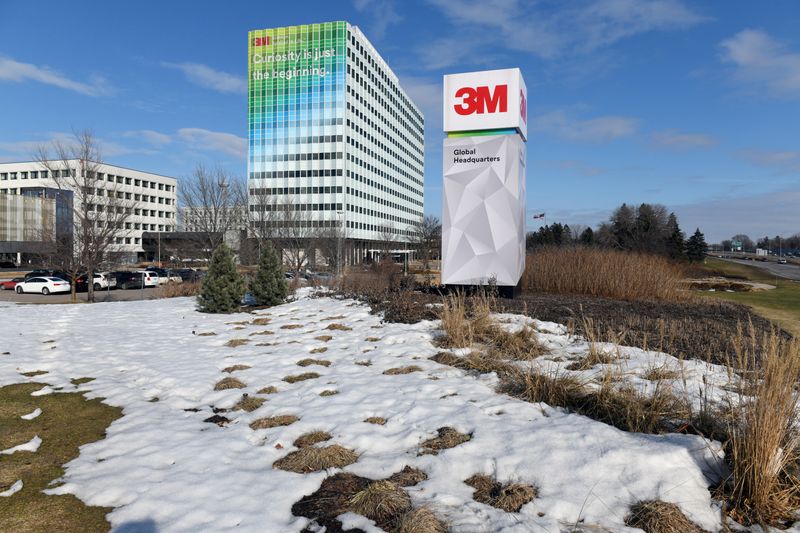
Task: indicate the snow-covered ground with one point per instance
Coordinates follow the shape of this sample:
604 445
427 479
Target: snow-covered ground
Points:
162 463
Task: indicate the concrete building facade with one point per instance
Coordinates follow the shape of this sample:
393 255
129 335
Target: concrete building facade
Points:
142 201
334 140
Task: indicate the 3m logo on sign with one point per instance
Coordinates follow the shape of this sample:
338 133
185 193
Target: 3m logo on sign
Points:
480 100
488 100
261 41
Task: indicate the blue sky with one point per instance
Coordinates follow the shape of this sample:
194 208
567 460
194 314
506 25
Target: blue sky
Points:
691 104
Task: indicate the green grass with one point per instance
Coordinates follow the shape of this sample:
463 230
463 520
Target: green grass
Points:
780 305
67 422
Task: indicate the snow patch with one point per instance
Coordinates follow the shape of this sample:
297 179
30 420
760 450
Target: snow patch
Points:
30 416
16 487
30 446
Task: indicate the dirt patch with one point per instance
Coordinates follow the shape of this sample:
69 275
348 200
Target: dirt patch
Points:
219 420
378 420
235 368
329 392
402 370
314 459
408 477
321 349
364 363
233 343
312 438
34 373
206 334
265 332
309 362
509 497
330 500
273 421
655 516
338 327
292 326
323 338
80 381
229 383
447 438
68 421
248 403
301 377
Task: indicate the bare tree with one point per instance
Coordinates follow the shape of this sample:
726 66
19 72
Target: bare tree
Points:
426 236
214 204
387 239
331 240
286 223
99 210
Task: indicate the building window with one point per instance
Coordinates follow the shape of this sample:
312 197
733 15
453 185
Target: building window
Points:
23 175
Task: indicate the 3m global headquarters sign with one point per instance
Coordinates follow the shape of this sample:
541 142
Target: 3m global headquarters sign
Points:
484 159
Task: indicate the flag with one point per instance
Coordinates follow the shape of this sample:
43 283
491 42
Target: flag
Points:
540 215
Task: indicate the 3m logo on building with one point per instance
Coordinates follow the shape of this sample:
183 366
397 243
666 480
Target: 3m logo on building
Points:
488 100
262 41
482 100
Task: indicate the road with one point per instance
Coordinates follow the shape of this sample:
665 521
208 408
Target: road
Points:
786 271
100 296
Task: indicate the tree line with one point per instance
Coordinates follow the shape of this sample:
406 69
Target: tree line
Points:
647 228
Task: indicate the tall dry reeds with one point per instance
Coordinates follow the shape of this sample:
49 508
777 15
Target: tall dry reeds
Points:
603 272
764 444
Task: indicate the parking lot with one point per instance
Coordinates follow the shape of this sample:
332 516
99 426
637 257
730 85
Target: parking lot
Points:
100 296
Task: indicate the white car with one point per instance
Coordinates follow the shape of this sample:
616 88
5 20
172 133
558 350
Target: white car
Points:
42 285
102 280
150 278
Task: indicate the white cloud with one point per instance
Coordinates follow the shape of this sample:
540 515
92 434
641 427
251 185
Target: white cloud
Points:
383 13
772 213
784 162
26 150
599 129
579 167
763 63
201 139
207 77
551 33
14 71
677 139
151 137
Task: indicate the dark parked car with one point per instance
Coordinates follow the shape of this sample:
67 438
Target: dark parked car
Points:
189 274
129 280
7 264
46 272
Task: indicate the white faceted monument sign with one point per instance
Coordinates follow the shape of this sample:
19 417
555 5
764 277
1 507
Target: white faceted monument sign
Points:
483 227
484 169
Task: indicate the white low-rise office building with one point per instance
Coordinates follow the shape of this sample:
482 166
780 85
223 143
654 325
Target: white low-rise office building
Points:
141 201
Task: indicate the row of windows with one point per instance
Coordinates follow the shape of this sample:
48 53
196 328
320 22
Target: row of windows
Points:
394 93
373 198
315 173
379 229
389 164
100 208
379 214
134 196
314 156
295 207
375 170
295 190
308 123
308 140
110 178
384 188
330 224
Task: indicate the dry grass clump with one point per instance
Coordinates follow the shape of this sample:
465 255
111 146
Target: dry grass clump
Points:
229 383
320 349
552 387
329 392
174 290
447 438
234 368
261 321
34 373
522 345
268 390
509 497
402 370
455 324
309 362
380 501
764 446
338 327
273 421
337 317
206 334
603 272
311 438
379 420
372 339
233 343
292 326
314 459
663 372
323 338
80 381
248 403
364 363
408 477
264 332
654 516
301 377
420 520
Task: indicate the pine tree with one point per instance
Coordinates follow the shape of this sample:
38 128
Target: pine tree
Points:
587 237
696 246
676 245
223 287
269 286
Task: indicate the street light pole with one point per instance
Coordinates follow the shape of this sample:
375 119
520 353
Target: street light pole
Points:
339 244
